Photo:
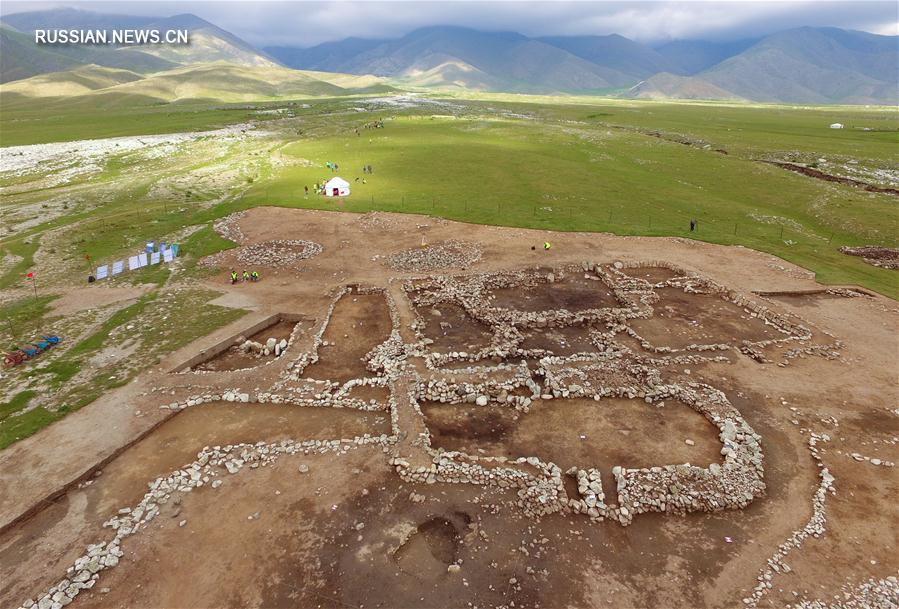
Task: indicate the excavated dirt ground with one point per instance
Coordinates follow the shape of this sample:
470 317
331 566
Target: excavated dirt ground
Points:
577 432
236 359
344 530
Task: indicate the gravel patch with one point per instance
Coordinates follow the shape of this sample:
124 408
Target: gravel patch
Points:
447 254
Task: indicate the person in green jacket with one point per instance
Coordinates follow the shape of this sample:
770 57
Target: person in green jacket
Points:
233 276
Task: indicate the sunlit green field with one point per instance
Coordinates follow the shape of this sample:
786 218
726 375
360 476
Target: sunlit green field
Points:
558 163
594 175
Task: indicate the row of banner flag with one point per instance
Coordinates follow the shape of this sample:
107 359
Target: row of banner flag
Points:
165 254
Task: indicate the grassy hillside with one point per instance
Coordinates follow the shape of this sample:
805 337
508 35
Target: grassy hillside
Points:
208 43
813 65
70 83
92 102
671 86
21 58
227 83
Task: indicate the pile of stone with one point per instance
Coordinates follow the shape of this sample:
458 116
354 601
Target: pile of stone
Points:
590 488
244 346
444 255
884 257
228 227
497 390
277 253
272 346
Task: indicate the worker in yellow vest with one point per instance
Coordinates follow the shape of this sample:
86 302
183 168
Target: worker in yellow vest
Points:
546 245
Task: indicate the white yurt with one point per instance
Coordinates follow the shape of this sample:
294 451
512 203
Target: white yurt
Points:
337 187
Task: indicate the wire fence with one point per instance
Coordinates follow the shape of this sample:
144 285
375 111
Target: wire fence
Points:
605 218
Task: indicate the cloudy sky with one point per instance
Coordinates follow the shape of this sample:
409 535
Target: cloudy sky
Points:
300 23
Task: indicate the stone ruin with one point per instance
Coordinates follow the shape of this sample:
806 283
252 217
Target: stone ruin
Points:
437 256
276 253
506 374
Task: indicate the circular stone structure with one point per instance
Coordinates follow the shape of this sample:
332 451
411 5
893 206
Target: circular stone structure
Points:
443 255
282 252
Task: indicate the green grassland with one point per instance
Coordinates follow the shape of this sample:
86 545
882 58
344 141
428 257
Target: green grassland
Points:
65 374
556 163
582 178
25 122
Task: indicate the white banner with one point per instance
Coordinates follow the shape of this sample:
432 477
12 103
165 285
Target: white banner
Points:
168 256
118 266
103 271
133 263
155 257
142 259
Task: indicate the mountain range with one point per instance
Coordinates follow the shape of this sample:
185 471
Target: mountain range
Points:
804 65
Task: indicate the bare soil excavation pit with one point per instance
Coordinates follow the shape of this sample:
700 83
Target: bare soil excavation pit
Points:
573 293
453 329
359 323
560 341
578 432
75 520
652 274
367 393
234 358
681 319
432 546
808 299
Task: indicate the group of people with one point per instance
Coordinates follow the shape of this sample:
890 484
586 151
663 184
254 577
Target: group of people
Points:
319 187
247 276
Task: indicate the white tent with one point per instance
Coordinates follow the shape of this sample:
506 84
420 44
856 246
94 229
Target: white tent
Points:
337 187
836 126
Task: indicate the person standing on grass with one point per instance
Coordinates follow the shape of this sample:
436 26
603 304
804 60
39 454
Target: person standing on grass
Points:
306 188
363 168
369 170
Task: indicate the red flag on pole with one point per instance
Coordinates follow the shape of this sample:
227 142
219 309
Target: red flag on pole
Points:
30 275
